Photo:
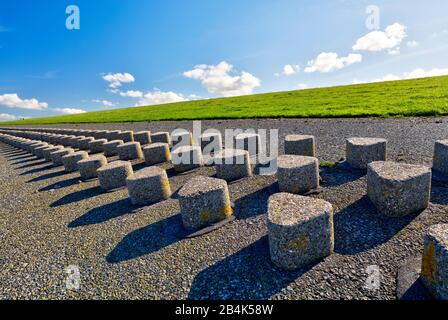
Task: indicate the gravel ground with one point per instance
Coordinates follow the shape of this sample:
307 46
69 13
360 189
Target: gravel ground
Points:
49 220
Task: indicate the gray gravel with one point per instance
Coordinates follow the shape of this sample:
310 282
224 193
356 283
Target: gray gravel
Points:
49 220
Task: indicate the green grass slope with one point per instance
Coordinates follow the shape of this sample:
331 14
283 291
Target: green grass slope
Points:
419 97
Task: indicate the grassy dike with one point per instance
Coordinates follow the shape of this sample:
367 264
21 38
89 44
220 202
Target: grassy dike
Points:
405 98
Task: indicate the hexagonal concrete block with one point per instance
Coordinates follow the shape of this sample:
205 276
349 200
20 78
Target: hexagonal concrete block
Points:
156 153
362 151
300 230
83 144
130 151
46 152
144 137
148 185
96 146
57 156
398 189
300 145
203 201
126 136
88 168
161 137
434 272
110 148
187 158
297 174
113 175
232 164
71 161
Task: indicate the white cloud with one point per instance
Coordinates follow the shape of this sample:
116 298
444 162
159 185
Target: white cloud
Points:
289 70
217 79
389 77
10 117
330 61
12 100
390 38
302 86
105 103
117 79
421 73
412 44
160 97
69 110
394 52
132 94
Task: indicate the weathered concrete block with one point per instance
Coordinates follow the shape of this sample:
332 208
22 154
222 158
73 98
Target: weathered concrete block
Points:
83 144
300 145
88 167
300 230
148 185
130 151
398 189
180 138
114 174
144 137
248 141
211 143
297 174
162 137
156 153
110 148
435 261
440 161
112 135
187 158
203 201
362 151
126 136
96 146
47 151
37 150
70 161
232 164
56 156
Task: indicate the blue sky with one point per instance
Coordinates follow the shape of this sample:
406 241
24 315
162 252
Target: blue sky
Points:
127 53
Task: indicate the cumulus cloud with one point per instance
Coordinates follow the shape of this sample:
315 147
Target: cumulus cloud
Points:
10 117
302 86
421 73
388 39
217 79
105 103
289 70
69 110
117 79
412 44
132 94
159 97
330 61
389 77
12 100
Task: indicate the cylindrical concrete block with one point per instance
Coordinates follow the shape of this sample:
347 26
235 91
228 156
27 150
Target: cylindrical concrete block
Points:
362 151
300 145
232 164
149 185
440 161
297 174
300 230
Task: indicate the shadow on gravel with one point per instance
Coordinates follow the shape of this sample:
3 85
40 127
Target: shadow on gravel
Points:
25 161
61 184
254 204
103 213
338 177
37 170
148 239
30 165
359 227
48 175
19 156
247 274
77 196
439 193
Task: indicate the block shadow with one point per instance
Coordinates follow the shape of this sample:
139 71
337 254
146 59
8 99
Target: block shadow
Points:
248 274
78 196
359 227
34 164
49 175
37 170
61 184
254 204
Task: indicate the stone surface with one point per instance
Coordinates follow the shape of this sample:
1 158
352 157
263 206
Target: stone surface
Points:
300 145
144 137
211 143
440 161
398 189
181 138
232 164
409 283
204 200
96 146
83 144
362 151
125 136
114 174
300 230
156 153
130 151
187 158
47 151
163 137
70 161
88 168
148 185
57 156
435 261
248 141
110 148
297 174
38 152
